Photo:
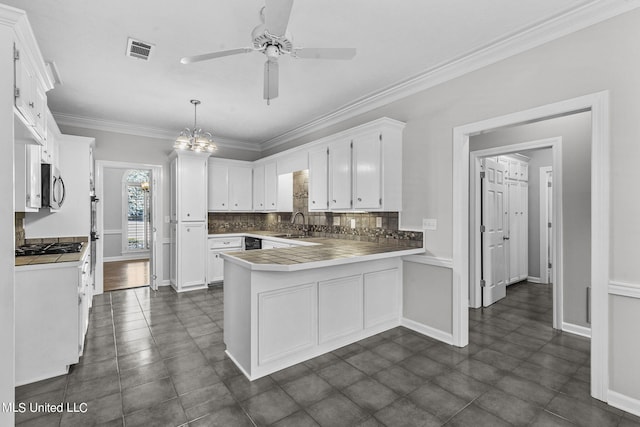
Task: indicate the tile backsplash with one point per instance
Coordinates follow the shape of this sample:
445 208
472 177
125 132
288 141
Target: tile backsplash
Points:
19 228
318 224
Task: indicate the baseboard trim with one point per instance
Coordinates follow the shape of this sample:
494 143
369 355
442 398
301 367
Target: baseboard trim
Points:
166 282
443 336
132 257
534 279
624 402
576 329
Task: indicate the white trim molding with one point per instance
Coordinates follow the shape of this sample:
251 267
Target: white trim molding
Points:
598 103
583 331
429 260
623 289
139 130
127 257
437 334
114 231
498 50
533 279
624 402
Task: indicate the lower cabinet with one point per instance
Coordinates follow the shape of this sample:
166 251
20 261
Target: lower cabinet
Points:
339 307
381 297
215 263
191 252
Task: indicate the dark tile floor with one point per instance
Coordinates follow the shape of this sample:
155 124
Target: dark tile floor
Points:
158 359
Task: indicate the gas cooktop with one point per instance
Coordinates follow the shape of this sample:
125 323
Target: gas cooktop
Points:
49 248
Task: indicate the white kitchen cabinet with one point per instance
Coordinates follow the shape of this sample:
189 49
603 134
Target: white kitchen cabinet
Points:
218 245
271 244
47 324
340 175
27 177
364 168
271 186
192 187
367 171
258 188
192 252
188 264
318 179
240 184
30 95
230 185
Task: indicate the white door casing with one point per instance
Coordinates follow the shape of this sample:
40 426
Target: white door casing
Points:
546 223
494 258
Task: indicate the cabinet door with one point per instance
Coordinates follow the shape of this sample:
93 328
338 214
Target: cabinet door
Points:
524 171
192 252
192 184
381 297
271 186
367 174
514 169
24 85
39 110
215 270
339 308
258 188
340 175
240 195
523 237
173 189
218 187
318 180
514 231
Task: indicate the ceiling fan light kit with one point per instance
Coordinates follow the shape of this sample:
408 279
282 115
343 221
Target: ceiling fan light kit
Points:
195 139
271 39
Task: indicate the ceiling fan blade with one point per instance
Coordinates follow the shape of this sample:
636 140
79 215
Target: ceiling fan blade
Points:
213 55
277 14
325 53
270 80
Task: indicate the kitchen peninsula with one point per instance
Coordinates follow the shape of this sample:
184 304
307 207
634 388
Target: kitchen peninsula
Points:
284 306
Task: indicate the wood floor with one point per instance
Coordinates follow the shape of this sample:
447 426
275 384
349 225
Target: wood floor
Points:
126 274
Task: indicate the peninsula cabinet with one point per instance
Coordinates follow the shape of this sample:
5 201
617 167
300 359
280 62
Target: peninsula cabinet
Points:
361 170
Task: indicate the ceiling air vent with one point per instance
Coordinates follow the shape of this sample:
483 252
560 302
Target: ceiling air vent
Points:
138 49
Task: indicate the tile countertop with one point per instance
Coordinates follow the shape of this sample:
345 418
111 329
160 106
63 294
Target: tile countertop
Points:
32 260
317 253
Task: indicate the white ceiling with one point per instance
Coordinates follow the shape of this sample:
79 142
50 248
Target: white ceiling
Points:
395 41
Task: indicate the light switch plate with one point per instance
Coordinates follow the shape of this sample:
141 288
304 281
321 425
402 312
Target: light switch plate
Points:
378 222
336 220
353 223
429 223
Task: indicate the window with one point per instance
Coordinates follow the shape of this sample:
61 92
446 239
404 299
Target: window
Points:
136 210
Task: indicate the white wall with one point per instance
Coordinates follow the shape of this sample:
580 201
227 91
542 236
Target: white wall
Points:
7 236
74 217
575 131
601 57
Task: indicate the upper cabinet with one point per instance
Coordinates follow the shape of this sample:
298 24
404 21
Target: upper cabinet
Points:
258 188
30 92
265 187
190 186
230 185
362 169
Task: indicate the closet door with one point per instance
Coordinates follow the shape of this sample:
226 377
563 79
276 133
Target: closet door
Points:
514 231
523 237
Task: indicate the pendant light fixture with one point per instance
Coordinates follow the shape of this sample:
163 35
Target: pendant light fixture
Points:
196 139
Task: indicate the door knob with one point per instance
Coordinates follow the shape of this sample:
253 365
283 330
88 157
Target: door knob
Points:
505 238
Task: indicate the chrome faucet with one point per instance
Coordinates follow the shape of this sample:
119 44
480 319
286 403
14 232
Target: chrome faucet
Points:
293 221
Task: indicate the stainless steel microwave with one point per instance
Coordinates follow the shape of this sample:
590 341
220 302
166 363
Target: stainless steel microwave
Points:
53 188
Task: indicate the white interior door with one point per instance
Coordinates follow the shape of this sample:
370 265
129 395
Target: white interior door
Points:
494 265
153 244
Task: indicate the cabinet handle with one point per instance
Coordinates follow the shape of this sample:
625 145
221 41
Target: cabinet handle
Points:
313 201
188 214
223 204
38 115
188 230
236 204
272 204
31 104
359 199
334 200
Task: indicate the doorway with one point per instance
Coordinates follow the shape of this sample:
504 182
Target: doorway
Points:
517 228
598 105
127 219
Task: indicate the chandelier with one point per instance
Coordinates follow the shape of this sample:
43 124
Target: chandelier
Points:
196 139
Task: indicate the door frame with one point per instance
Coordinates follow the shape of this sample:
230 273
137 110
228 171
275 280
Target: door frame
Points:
155 252
544 226
598 104
475 248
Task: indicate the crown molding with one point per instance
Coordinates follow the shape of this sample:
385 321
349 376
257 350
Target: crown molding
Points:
10 16
529 38
133 129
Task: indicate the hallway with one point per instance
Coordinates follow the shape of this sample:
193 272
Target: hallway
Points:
126 274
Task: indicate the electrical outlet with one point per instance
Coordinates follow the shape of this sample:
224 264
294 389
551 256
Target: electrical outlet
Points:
378 222
336 220
353 223
279 218
429 223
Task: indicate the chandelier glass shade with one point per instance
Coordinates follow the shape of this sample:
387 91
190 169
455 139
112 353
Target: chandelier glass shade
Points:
195 139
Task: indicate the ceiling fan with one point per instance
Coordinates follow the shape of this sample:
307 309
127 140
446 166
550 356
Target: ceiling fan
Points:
271 39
